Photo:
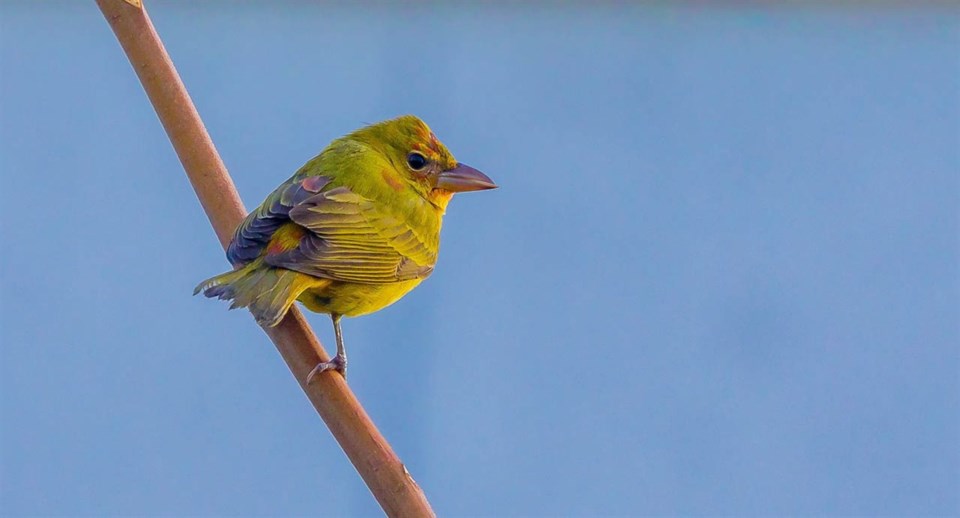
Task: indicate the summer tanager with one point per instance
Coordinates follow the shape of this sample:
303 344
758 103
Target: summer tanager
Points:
351 232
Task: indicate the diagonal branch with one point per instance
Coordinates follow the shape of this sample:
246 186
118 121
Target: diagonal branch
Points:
369 452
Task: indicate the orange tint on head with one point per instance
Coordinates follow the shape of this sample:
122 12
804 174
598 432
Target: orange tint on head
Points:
391 179
429 148
426 140
434 145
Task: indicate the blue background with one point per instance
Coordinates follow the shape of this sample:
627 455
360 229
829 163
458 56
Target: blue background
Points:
720 275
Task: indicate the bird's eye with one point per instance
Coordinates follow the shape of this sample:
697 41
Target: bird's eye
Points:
416 161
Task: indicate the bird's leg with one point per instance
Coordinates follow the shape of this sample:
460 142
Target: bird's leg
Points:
338 362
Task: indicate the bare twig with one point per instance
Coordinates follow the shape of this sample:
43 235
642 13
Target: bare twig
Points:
369 452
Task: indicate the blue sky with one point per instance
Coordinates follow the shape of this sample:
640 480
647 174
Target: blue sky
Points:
721 274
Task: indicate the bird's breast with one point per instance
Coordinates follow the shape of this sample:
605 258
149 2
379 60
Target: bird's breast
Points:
354 299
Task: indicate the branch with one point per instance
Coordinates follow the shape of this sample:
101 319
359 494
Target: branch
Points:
369 452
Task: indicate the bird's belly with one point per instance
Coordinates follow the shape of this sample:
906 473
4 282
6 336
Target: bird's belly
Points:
351 299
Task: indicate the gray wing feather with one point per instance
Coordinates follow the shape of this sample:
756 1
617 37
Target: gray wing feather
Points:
256 230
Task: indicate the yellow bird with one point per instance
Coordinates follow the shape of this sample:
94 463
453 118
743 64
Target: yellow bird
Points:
353 231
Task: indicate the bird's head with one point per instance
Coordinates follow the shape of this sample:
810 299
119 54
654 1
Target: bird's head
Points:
420 160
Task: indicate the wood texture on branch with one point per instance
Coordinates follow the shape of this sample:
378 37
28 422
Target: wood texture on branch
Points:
381 469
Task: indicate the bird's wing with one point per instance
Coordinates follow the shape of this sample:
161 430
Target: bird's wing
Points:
257 229
351 239
348 237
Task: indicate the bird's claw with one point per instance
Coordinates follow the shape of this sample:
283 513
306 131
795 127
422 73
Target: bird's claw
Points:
337 363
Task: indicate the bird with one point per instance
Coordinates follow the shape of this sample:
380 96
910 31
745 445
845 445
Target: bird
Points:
350 233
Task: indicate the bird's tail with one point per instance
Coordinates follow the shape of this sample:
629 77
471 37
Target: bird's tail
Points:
267 291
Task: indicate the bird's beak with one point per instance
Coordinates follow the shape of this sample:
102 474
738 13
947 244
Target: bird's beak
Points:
464 178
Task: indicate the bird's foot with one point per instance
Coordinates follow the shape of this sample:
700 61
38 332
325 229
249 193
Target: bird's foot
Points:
337 363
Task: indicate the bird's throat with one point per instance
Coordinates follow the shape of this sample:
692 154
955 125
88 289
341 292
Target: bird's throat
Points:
439 198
